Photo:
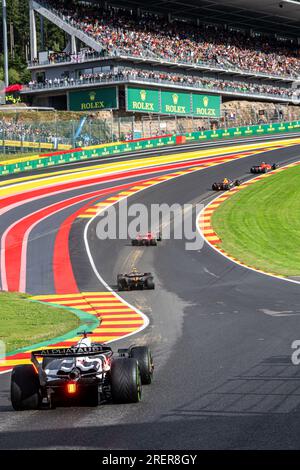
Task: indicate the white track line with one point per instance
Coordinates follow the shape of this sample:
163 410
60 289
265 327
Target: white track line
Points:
104 283
93 265
197 145
274 276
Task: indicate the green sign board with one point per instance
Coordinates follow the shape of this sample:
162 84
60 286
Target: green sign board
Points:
143 100
12 167
173 102
148 100
93 100
206 106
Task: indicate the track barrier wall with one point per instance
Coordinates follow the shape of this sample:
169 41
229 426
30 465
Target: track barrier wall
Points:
33 162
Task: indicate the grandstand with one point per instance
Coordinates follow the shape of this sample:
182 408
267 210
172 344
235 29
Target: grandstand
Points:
170 58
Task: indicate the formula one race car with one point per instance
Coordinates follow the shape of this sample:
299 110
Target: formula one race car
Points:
88 373
225 185
146 240
135 281
263 168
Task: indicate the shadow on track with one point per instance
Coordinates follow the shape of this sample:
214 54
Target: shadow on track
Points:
244 412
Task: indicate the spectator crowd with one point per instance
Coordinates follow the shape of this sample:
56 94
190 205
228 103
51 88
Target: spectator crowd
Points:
148 35
181 80
11 129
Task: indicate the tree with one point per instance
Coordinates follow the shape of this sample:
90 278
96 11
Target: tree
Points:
14 76
18 38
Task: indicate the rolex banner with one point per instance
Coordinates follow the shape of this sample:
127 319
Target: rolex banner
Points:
143 100
93 100
148 100
206 105
175 103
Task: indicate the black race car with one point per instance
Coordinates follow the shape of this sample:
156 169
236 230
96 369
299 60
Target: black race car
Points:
150 239
88 373
263 168
225 186
135 281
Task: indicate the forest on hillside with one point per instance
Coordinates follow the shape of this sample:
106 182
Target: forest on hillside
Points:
18 39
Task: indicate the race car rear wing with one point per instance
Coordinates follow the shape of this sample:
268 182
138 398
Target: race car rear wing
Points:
71 352
136 275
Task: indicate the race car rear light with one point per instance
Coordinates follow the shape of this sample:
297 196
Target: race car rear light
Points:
71 388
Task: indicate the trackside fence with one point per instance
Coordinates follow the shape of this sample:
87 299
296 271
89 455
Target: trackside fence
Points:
14 166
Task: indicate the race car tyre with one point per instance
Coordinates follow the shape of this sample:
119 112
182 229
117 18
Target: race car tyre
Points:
150 284
275 166
25 389
126 384
144 357
237 183
214 187
134 242
120 282
153 242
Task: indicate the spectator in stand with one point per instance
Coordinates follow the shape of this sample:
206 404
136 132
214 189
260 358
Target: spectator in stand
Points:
18 130
148 35
173 78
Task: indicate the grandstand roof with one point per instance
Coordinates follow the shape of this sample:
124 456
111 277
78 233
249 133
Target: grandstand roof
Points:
273 16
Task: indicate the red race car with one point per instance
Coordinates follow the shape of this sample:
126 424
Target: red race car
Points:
263 168
146 240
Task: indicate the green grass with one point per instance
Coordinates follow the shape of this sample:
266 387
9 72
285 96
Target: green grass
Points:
260 225
24 323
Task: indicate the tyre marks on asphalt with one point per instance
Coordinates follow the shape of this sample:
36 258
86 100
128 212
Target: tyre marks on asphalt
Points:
118 318
96 209
14 240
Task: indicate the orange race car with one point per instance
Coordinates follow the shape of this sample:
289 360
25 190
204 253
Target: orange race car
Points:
225 185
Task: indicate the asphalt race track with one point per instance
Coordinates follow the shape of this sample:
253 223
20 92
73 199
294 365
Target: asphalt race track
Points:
221 334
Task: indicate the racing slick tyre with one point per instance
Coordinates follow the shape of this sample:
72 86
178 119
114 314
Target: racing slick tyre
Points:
25 389
144 357
120 283
134 242
275 166
150 284
237 183
214 187
153 243
126 384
